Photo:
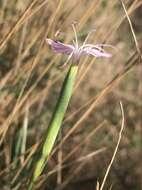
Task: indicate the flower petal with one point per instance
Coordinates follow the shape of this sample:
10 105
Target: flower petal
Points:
59 47
96 53
99 45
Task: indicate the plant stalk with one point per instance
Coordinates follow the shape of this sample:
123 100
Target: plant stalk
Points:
55 123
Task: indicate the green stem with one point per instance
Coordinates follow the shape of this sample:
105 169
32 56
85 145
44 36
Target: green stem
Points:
55 122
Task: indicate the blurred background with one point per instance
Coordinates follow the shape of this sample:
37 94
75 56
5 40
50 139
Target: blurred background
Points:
31 79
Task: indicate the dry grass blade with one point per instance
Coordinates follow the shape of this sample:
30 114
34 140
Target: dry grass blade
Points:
88 137
8 36
28 13
82 161
30 76
132 29
116 148
35 61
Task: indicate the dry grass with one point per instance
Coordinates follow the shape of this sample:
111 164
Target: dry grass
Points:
30 80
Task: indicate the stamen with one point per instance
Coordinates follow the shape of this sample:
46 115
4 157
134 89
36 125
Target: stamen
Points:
69 57
98 46
87 37
105 45
92 46
76 41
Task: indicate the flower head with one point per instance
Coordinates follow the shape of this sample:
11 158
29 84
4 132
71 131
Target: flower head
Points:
75 51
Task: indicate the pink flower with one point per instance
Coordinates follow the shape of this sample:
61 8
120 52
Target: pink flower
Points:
75 52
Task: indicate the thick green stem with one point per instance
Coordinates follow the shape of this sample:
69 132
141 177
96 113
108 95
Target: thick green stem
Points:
55 122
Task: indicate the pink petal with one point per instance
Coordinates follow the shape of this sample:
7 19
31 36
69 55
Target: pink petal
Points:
96 52
59 47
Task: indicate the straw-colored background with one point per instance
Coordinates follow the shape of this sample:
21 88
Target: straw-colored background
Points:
30 81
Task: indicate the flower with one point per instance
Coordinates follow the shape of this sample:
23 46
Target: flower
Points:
75 52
